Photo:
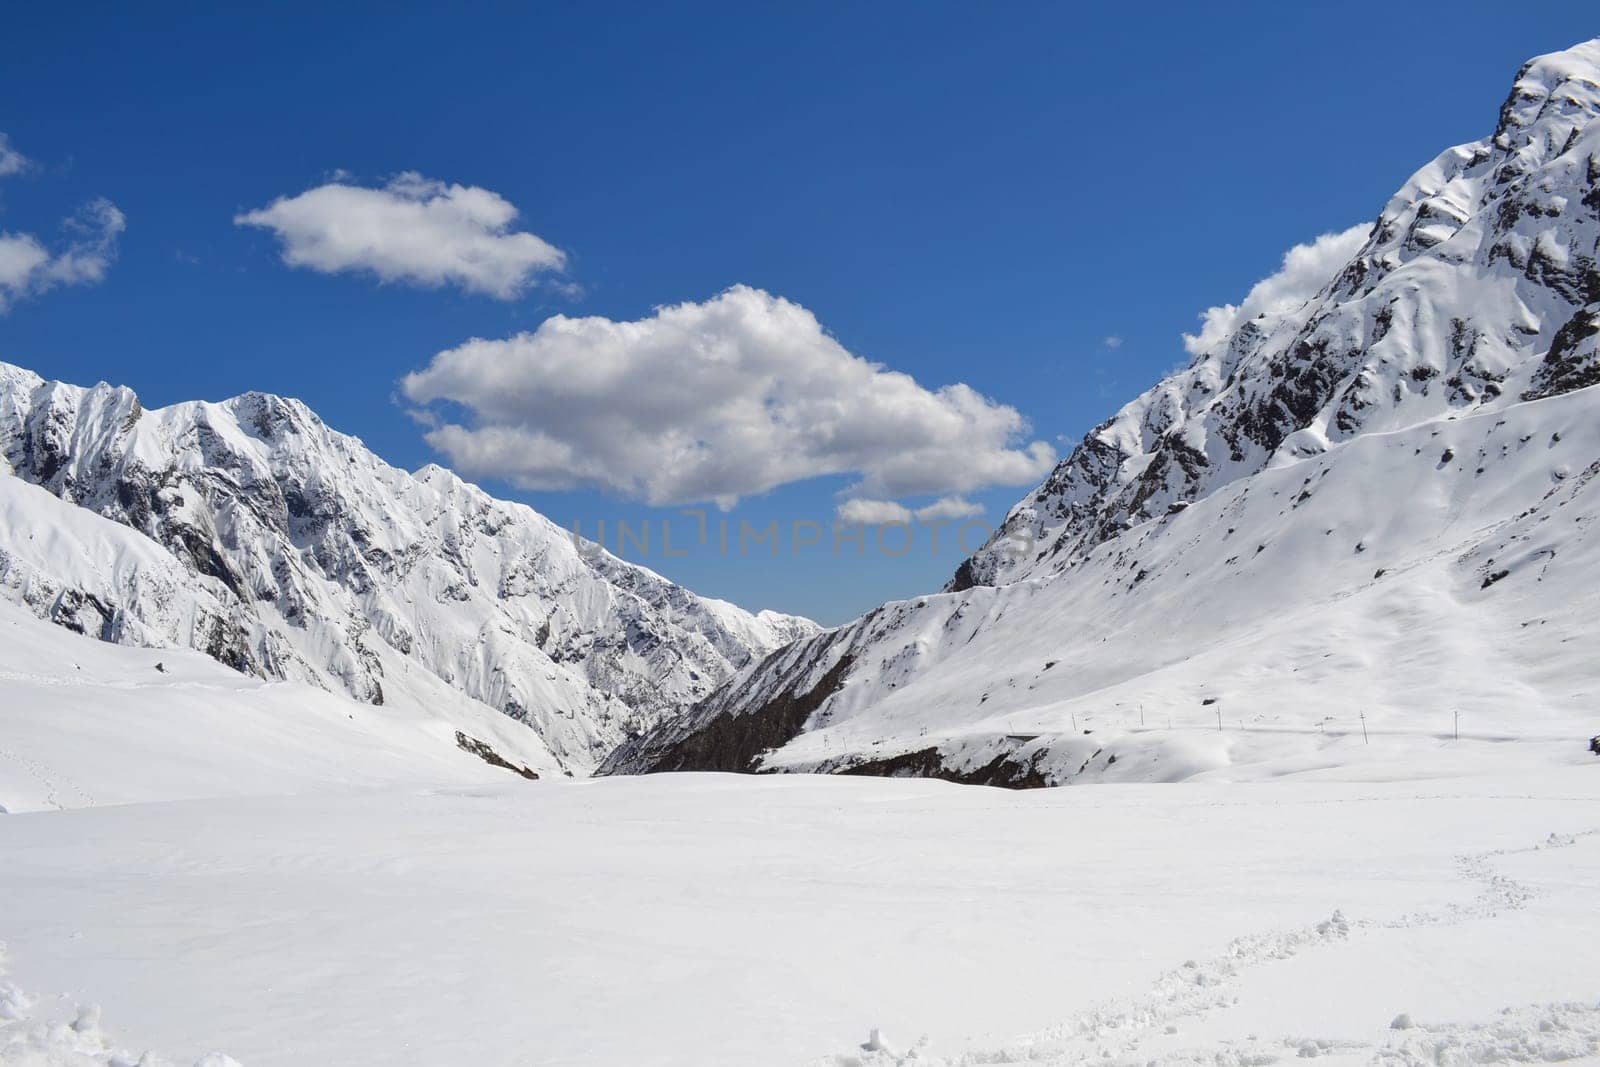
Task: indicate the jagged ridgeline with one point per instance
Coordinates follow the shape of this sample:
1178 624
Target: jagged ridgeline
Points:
1379 501
287 550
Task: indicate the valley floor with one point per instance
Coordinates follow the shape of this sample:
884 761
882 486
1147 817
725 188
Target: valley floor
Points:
711 920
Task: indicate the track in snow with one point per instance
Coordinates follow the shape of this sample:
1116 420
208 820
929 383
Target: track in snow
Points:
1112 1033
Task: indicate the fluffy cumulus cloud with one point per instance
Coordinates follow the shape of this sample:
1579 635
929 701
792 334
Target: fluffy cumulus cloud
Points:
28 267
712 401
11 161
412 230
1305 271
878 512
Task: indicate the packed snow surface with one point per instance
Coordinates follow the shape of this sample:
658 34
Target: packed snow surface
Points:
719 920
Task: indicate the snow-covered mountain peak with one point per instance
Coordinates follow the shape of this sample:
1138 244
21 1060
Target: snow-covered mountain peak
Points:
1475 288
1374 480
324 564
1559 91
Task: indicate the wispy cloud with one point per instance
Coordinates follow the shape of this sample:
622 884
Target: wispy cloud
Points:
28 267
1306 269
878 512
12 161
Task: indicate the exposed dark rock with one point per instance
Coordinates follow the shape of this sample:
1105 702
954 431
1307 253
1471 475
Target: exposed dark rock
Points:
1573 361
734 741
482 750
1007 771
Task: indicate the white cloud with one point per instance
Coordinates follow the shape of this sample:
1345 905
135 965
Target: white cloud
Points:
1306 269
877 512
1113 342
948 507
713 401
873 512
411 230
28 268
11 161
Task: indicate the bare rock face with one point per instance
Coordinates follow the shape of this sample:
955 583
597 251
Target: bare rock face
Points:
294 552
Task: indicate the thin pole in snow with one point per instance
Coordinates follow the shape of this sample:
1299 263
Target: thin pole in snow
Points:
1458 724
1074 722
1365 739
1219 718
1141 715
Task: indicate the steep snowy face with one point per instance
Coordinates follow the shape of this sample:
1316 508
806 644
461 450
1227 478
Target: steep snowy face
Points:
313 560
1475 289
1371 499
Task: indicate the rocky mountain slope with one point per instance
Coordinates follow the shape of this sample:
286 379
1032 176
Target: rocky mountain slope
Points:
1365 508
289 551
1475 289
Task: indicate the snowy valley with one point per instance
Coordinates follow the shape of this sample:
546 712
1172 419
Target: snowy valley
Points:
305 759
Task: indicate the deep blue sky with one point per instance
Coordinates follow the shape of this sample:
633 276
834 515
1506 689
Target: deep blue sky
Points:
975 193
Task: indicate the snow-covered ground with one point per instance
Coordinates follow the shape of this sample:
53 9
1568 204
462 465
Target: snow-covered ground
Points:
704 919
196 860
85 723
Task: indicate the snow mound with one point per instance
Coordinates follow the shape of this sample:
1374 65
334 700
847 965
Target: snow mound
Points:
30 1037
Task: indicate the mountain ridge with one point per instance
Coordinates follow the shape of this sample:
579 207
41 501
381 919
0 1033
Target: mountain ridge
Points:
1470 307
320 563
1292 380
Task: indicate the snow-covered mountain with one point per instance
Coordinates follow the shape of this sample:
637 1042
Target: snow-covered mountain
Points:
251 531
1366 504
1476 289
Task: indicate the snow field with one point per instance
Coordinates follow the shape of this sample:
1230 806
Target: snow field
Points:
703 919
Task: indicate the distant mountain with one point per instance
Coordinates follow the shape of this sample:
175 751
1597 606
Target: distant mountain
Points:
1378 501
289 551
